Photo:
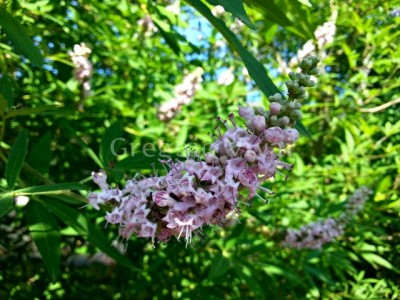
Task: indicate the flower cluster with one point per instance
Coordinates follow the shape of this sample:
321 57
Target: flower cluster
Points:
184 93
315 235
197 193
83 67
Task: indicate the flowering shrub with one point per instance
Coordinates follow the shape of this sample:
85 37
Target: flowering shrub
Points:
140 51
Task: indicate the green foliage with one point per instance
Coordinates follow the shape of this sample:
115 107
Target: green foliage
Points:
51 247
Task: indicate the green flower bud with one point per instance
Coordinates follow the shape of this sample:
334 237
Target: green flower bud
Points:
291 105
314 71
259 111
273 120
284 121
296 114
276 98
297 104
294 76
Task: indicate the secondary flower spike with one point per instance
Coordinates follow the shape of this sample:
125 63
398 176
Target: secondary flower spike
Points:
197 193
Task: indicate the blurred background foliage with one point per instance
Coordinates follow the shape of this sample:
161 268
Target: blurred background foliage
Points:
141 50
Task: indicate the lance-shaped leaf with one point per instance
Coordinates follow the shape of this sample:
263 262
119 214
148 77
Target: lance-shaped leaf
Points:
46 235
6 90
110 143
6 201
17 36
16 158
236 8
255 68
50 188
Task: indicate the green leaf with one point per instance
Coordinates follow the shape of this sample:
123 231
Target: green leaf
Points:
32 111
271 11
255 68
3 104
16 158
17 36
6 90
110 143
219 266
48 188
84 227
46 235
6 202
169 37
376 260
40 155
236 8
302 129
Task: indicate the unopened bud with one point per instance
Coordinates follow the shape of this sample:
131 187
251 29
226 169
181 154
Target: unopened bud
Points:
294 76
284 121
274 120
290 135
246 113
275 108
250 156
211 158
274 135
276 98
259 122
314 71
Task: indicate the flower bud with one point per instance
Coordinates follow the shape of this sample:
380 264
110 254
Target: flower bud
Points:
292 105
211 158
273 120
314 71
223 159
297 105
259 123
259 111
283 121
274 135
250 156
294 76
290 135
276 98
275 108
296 114
246 113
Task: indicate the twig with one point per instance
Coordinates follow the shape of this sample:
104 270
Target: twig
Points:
380 107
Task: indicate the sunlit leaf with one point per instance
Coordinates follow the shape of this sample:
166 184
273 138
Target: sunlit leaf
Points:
17 35
236 8
255 68
48 188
